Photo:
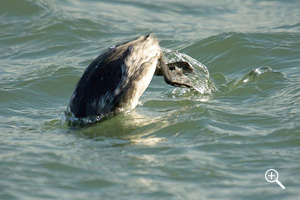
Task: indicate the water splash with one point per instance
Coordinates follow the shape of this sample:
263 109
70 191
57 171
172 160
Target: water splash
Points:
200 79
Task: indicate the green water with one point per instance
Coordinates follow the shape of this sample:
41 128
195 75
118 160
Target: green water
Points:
176 144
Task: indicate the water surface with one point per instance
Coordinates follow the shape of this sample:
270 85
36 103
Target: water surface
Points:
177 144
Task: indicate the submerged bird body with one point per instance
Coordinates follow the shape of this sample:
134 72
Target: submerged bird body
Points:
116 79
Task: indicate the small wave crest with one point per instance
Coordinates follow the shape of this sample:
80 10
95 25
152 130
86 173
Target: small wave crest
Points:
71 120
256 75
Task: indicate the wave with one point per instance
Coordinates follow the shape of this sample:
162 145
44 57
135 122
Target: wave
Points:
261 75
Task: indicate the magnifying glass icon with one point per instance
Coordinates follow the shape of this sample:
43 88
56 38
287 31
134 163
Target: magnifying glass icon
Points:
271 176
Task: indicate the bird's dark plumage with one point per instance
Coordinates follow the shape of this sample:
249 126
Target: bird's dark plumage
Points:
112 79
117 78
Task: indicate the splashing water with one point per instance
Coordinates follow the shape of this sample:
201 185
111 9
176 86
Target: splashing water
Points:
200 79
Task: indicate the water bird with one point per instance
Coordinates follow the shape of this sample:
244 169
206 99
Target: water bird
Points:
118 77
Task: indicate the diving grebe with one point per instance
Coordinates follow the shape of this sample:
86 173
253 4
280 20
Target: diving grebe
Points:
117 78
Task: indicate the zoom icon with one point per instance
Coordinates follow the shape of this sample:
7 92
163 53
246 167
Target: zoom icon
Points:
272 176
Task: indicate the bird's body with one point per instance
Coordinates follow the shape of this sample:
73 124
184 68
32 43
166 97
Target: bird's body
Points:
117 78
